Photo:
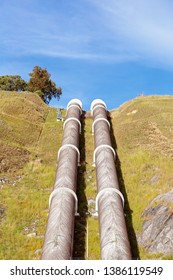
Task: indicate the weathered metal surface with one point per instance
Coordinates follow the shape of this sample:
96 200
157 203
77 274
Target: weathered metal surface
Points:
114 241
58 242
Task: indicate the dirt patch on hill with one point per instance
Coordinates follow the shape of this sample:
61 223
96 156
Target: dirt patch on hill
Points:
12 158
158 141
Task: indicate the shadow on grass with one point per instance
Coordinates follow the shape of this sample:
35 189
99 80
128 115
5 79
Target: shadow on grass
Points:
128 212
81 220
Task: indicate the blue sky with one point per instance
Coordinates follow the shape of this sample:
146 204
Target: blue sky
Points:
108 49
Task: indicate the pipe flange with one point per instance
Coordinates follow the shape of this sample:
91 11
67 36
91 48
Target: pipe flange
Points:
75 101
97 106
75 105
99 119
71 146
64 189
97 102
74 119
104 191
102 146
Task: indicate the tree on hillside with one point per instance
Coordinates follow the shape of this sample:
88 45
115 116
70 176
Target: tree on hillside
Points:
12 83
41 83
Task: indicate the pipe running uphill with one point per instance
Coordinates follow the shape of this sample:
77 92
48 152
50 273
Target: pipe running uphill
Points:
58 241
114 243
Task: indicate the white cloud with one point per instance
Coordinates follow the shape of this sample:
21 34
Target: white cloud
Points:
144 27
108 30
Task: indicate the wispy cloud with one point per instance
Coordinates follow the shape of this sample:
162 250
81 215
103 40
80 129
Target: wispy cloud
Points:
108 31
145 28
77 33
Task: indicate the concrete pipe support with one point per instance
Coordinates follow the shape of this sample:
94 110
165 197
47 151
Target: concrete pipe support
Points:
114 243
58 242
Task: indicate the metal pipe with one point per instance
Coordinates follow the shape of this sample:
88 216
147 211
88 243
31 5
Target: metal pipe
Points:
58 241
114 243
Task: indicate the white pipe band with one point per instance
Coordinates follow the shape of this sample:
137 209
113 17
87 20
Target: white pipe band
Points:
97 106
74 101
99 119
75 105
64 189
102 146
74 119
71 146
104 191
96 102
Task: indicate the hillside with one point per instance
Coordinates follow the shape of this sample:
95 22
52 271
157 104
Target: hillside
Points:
144 139
21 122
30 137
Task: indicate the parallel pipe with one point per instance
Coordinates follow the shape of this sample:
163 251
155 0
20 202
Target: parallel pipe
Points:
58 241
114 243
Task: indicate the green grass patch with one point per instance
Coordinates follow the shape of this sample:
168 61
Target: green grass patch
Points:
25 201
30 137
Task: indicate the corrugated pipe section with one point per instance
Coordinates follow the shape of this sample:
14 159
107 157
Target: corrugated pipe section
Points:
114 243
63 203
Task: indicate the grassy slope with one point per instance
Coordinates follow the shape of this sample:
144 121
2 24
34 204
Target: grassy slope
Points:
24 197
144 138
142 131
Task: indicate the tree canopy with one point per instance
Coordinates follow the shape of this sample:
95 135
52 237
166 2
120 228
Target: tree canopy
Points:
41 83
12 83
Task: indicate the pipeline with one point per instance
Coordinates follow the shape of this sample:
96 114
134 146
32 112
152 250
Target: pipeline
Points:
114 243
58 241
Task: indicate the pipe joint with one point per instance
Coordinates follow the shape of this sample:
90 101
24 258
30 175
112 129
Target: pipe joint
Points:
99 147
105 191
97 102
99 119
97 106
64 189
75 103
72 119
70 146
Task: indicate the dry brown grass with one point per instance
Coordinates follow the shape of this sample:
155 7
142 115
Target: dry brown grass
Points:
144 137
30 137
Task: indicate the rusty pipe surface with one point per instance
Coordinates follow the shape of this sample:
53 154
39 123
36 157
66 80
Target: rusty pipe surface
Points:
114 243
58 241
